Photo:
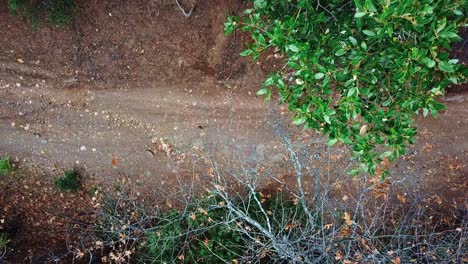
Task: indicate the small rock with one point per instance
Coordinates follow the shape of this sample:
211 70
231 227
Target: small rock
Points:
44 141
82 148
148 174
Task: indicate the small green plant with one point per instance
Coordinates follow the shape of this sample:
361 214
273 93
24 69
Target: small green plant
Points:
70 181
358 71
3 241
5 166
198 234
205 233
53 12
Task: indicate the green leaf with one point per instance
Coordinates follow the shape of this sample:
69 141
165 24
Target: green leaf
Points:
353 41
269 81
326 81
359 14
299 120
370 6
262 91
364 45
293 48
429 63
246 53
425 112
346 140
327 119
319 75
332 141
260 3
352 91
458 12
369 33
228 28
449 35
340 52
446 67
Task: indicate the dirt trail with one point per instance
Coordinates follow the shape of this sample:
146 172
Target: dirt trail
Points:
91 128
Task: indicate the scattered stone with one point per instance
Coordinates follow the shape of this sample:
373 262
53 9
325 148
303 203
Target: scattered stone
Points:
44 141
148 174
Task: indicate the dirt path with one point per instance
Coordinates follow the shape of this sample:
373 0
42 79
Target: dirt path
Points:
91 128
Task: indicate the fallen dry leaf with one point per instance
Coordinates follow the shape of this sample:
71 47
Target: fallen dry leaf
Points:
115 161
345 231
363 130
401 198
338 256
347 219
203 211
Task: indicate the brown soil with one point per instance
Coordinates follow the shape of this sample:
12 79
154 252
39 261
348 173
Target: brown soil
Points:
134 89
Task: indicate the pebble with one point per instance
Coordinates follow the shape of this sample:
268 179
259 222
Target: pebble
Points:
44 141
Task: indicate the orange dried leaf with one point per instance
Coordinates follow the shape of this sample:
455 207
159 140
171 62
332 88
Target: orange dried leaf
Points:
203 211
345 231
401 198
193 216
338 256
115 161
347 219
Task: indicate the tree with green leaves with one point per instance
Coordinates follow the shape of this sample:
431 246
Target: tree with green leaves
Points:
358 71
